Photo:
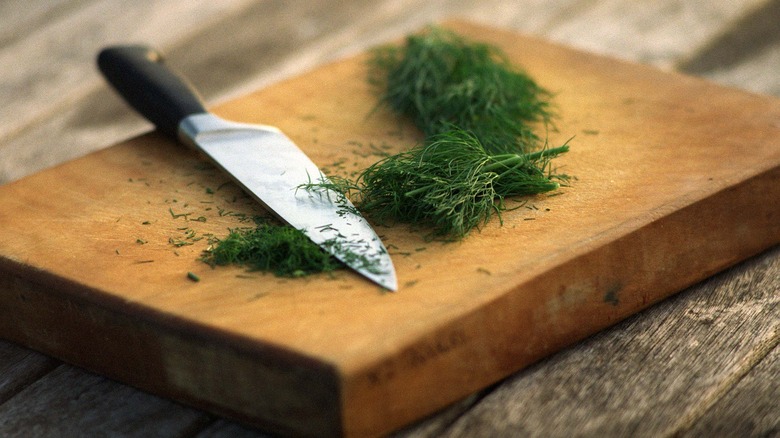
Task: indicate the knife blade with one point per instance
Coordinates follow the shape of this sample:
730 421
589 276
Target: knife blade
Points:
260 158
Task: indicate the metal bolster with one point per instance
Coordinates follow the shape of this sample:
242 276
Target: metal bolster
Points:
197 124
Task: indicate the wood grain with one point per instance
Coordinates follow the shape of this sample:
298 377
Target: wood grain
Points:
364 372
120 408
663 33
20 368
27 87
725 416
233 48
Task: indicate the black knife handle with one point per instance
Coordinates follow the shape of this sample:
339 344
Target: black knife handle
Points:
140 75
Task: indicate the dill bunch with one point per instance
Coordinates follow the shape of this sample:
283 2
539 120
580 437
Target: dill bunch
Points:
270 247
451 184
439 79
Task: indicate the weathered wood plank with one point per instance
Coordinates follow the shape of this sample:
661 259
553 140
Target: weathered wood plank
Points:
71 402
759 392
741 53
246 46
226 429
755 73
656 373
744 54
657 33
29 17
47 59
20 367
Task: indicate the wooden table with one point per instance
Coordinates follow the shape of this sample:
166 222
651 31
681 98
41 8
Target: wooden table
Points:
703 363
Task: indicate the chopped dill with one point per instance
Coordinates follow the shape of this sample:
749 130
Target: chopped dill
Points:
177 215
476 111
440 80
271 247
178 243
451 184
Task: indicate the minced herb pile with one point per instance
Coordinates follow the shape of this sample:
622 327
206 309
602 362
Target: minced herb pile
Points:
477 112
271 247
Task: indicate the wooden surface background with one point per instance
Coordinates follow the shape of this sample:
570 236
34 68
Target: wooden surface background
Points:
703 363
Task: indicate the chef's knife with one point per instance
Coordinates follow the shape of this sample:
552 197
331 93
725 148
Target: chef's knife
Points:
260 158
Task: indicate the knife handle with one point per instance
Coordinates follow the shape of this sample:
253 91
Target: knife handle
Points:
140 75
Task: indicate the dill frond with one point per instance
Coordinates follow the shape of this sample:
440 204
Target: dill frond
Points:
451 184
439 79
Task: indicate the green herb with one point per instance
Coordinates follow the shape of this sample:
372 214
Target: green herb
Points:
283 250
440 80
177 215
178 243
451 184
476 111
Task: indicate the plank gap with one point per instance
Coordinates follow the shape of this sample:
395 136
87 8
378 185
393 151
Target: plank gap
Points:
198 427
19 374
442 422
748 363
750 35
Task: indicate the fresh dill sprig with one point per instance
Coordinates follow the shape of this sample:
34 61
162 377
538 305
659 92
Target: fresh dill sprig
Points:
451 184
439 80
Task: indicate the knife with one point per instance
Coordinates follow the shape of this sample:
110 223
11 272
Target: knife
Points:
260 158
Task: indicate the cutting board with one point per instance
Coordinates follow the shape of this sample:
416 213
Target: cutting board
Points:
676 179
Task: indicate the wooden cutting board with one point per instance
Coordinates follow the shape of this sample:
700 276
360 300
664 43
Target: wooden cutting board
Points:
677 179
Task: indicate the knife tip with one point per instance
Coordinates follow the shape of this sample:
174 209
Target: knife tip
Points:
387 281
390 285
